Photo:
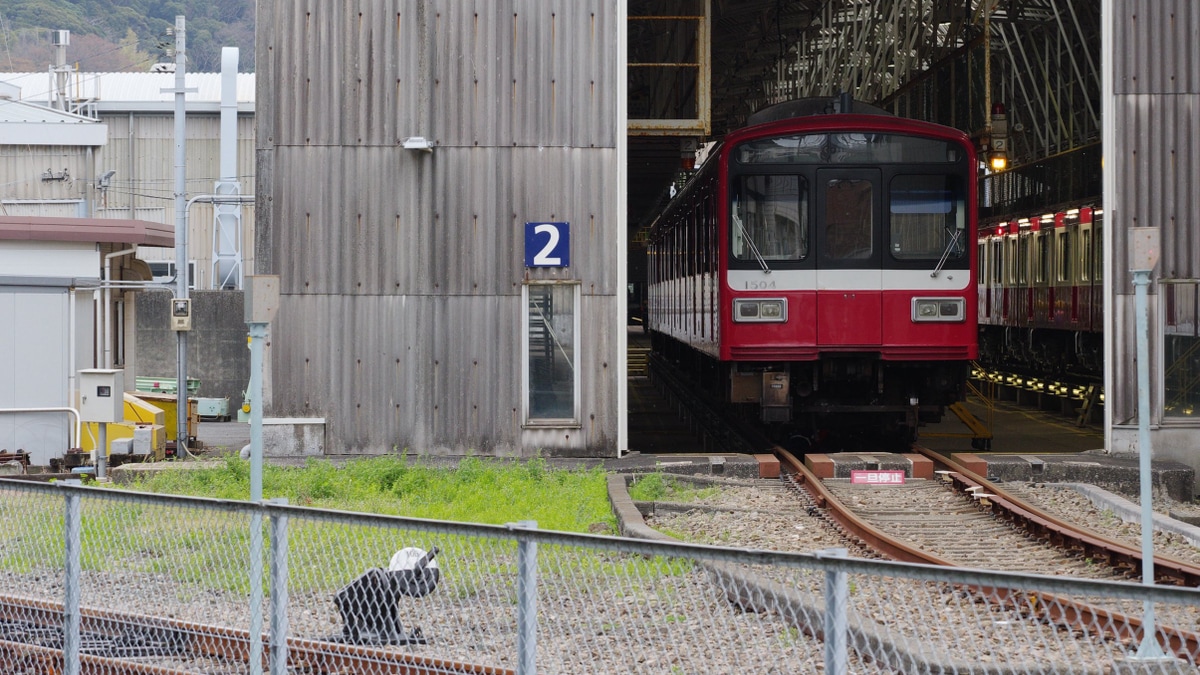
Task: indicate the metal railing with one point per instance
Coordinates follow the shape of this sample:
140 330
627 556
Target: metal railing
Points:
138 582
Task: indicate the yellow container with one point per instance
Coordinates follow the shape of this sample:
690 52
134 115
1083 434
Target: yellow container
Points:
166 403
153 415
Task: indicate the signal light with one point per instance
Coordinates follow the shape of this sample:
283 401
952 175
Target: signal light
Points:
998 161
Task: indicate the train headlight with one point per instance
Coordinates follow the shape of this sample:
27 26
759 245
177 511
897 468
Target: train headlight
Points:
772 310
938 309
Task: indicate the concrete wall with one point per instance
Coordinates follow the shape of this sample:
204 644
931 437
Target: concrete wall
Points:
217 351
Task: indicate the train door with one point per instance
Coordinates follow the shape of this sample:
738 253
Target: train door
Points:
849 257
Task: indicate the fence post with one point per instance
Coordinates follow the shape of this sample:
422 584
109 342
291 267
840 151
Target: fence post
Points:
279 590
836 604
526 602
256 590
71 619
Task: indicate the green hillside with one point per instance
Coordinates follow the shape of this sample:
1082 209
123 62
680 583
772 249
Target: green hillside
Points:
124 35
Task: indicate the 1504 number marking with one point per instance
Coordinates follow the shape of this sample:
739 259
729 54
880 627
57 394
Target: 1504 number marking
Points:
760 285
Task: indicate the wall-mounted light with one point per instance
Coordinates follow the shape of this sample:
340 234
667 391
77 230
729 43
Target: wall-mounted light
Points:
102 183
417 143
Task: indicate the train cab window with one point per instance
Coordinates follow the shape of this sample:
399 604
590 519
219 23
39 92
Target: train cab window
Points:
849 219
551 343
927 217
770 218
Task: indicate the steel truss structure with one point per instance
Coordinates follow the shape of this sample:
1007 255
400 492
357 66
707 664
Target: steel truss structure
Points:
947 61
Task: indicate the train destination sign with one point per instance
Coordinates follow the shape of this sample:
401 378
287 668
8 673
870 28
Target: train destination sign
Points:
877 477
547 244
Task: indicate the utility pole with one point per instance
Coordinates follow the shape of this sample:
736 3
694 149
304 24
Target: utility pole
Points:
181 305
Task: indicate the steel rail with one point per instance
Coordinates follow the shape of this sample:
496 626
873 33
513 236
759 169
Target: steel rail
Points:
1167 570
1060 610
205 641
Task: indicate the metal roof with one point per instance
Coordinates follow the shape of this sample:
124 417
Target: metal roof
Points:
24 112
102 230
133 92
28 124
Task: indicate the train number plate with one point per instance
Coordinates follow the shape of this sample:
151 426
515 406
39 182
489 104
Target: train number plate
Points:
877 477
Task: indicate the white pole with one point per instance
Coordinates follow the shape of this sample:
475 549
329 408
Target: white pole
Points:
181 252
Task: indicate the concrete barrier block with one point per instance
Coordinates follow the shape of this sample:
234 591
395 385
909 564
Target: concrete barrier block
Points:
294 437
822 466
768 466
922 466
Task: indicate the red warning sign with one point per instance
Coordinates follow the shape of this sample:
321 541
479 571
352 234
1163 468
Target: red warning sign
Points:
877 477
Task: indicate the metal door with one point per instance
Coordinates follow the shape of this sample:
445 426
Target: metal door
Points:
849 255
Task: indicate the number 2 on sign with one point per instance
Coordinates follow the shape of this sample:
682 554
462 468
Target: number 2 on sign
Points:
543 256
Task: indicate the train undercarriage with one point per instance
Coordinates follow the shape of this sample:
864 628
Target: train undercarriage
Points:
1075 356
840 402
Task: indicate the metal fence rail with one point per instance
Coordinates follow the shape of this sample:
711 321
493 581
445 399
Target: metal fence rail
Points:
123 581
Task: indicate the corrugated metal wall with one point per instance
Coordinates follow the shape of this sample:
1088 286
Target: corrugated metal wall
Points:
1154 165
22 168
401 270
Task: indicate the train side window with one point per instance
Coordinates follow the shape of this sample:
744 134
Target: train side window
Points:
997 261
927 218
551 342
1064 256
1023 259
1086 250
1096 253
770 218
1041 258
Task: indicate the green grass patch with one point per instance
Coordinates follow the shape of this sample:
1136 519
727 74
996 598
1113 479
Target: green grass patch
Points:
660 487
476 491
208 549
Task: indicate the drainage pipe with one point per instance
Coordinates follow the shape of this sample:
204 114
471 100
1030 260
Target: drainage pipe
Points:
108 271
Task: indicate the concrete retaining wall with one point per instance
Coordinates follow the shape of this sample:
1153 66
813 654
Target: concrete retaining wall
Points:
217 352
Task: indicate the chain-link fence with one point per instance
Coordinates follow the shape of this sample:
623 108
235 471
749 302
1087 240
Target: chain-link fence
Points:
127 582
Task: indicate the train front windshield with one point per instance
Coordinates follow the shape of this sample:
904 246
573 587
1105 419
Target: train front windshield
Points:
848 200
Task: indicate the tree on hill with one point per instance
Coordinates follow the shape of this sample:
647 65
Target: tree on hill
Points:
124 35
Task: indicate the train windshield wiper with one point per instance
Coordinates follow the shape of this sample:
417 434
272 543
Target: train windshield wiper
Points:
746 235
950 246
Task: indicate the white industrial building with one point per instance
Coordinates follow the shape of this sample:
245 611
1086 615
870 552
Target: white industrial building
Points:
113 155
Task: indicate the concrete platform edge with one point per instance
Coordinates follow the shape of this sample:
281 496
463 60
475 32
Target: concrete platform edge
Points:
1130 512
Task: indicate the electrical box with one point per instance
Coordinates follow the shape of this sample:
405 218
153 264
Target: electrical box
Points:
181 314
261 297
101 395
1143 248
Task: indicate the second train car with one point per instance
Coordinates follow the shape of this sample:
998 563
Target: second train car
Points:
820 270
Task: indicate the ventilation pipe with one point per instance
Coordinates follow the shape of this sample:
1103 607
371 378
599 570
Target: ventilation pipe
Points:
227 225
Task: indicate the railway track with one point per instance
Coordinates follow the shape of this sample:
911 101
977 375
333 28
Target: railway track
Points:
112 643
925 523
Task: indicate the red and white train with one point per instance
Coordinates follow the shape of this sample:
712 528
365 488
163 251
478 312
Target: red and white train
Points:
1041 300
819 267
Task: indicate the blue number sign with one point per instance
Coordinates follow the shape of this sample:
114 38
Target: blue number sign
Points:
547 244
